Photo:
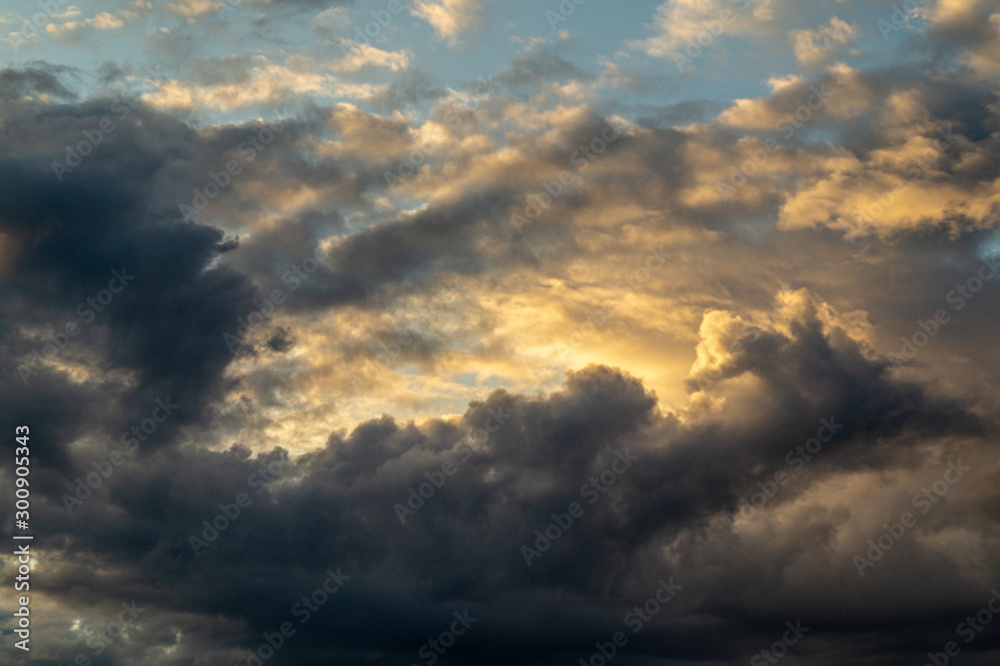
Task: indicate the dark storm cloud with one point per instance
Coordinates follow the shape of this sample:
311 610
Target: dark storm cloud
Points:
442 236
109 216
963 102
118 209
350 505
37 77
462 548
470 235
281 340
447 236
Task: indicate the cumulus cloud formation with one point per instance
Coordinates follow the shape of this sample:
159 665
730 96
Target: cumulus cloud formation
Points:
815 47
679 24
336 348
449 18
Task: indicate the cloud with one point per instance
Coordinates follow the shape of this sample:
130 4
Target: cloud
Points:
667 515
816 47
366 55
679 23
403 346
168 257
193 8
449 18
263 82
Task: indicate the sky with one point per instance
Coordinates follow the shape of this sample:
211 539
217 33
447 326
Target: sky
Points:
378 332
